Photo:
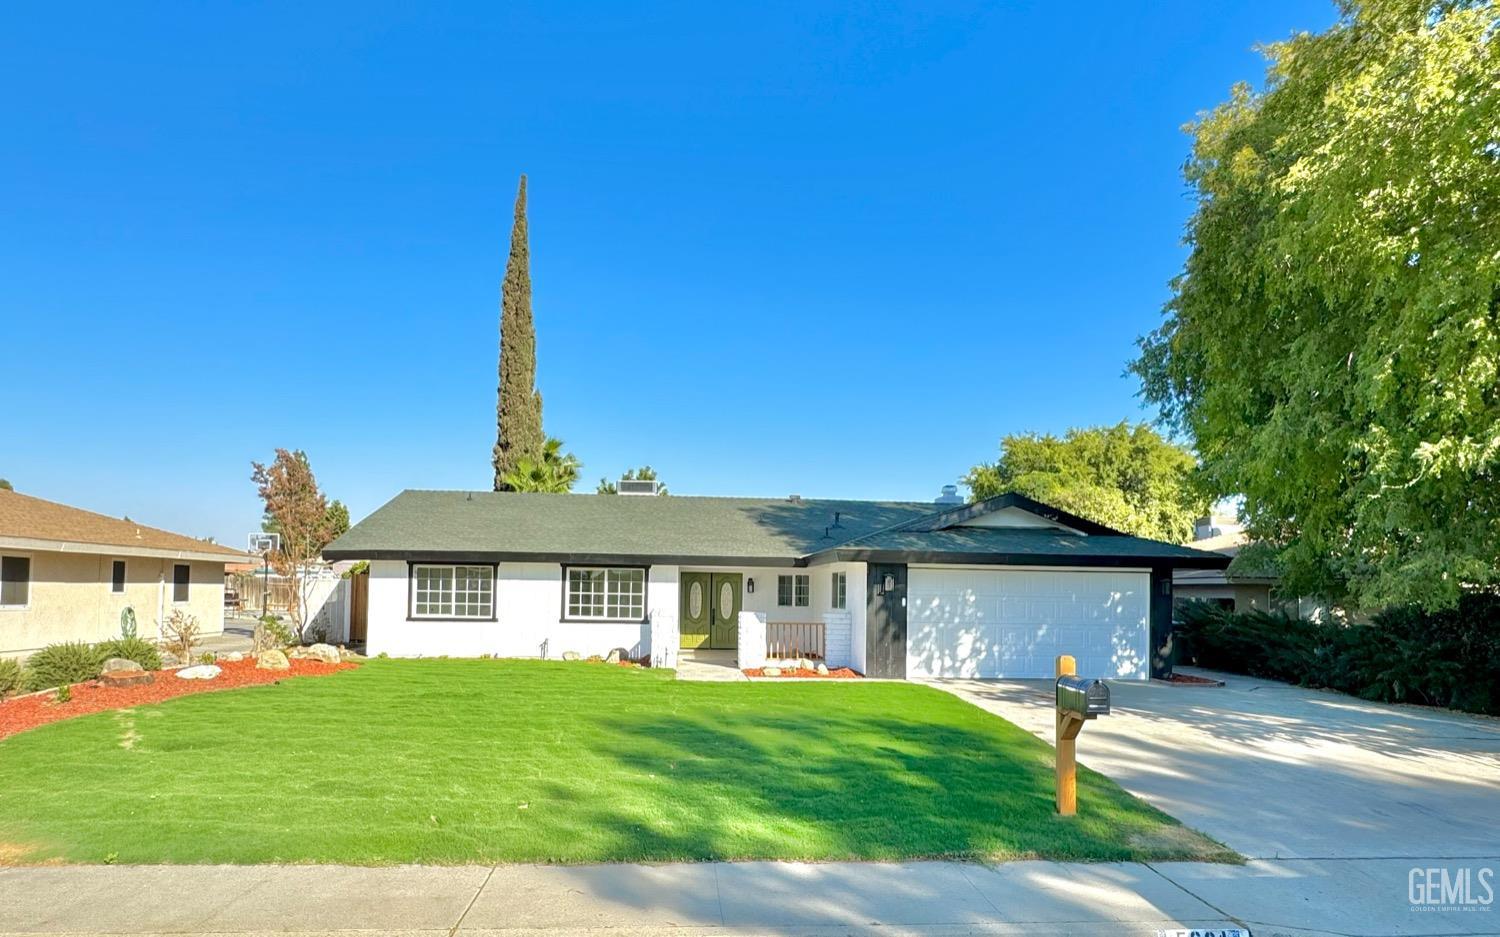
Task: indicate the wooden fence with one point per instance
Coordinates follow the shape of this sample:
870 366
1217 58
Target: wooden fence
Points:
795 639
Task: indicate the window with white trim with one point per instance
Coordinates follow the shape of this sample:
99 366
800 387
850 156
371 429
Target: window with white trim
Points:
605 593
793 590
457 591
15 581
840 590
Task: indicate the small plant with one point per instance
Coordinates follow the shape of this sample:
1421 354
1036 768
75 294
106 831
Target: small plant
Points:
140 650
382 656
10 675
110 858
181 631
127 624
207 657
320 634
58 664
272 633
64 694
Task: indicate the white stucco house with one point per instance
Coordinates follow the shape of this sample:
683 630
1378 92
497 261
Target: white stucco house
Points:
892 589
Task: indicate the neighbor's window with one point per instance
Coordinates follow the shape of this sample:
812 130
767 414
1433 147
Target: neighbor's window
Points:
15 580
453 591
606 593
792 590
840 590
181 575
117 577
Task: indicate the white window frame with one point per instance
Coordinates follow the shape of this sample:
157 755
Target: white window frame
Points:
481 589
608 599
125 577
187 587
30 578
840 597
801 590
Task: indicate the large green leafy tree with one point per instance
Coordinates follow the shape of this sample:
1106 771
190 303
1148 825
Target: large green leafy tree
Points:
1333 344
1126 477
518 411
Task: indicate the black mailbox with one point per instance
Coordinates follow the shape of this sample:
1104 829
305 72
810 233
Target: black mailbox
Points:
1084 696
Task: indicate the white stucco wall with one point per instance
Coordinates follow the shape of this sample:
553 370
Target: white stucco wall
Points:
528 612
71 599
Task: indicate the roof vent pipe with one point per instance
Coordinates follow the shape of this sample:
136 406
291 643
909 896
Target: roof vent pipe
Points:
795 499
949 496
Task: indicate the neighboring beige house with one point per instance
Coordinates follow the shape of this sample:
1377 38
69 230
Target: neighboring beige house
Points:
1222 532
66 575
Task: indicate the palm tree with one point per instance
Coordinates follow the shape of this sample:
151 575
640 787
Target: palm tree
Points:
554 474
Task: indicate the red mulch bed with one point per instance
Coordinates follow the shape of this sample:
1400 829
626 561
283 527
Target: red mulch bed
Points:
1185 679
28 712
839 673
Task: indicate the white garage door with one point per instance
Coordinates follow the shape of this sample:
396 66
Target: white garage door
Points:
1012 622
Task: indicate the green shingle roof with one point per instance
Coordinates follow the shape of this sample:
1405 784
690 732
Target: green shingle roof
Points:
484 525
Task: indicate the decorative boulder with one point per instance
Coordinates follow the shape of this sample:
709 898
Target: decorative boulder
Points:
571 655
771 671
615 655
326 653
272 660
115 664
125 678
200 672
822 669
232 657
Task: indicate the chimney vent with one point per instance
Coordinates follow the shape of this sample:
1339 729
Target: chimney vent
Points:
795 499
949 496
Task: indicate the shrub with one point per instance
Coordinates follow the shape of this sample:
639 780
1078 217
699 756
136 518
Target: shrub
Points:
61 664
272 633
140 650
1403 655
181 630
10 676
65 694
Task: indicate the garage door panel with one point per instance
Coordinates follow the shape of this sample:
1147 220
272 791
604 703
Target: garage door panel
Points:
1012 622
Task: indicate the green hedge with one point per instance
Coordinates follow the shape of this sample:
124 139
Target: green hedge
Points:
10 676
1403 655
61 664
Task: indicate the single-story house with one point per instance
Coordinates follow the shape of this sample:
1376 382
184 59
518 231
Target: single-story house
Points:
892 589
1238 590
67 574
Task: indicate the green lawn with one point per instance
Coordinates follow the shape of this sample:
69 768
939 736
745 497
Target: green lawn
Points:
455 761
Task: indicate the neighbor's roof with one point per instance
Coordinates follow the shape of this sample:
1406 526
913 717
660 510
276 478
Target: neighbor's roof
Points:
483 525
46 525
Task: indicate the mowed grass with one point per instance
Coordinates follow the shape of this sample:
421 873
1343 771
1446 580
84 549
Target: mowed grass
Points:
459 761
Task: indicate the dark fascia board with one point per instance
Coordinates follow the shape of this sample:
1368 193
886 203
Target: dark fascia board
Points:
570 559
1206 561
968 512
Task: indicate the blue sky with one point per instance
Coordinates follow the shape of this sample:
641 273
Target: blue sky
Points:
832 250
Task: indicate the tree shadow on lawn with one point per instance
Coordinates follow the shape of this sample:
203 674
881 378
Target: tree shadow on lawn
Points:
743 785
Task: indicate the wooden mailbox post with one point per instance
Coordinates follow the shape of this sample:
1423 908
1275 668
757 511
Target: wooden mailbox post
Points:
1078 700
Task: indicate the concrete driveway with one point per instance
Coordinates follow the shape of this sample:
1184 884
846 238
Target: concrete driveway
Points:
1341 805
1275 771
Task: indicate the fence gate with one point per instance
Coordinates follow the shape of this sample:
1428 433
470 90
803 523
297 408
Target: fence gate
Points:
359 607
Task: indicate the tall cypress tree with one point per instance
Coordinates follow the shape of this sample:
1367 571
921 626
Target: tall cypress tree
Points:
518 413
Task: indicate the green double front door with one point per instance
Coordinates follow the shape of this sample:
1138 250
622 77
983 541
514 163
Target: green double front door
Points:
710 614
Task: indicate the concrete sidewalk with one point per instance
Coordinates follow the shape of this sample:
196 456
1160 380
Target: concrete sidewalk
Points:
919 898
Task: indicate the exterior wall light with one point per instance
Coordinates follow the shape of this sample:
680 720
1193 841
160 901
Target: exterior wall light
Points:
750 585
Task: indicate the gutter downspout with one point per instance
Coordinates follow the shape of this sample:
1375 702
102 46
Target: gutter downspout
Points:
161 599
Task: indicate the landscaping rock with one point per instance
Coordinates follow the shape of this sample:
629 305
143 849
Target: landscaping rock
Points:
168 659
296 653
822 670
135 677
770 671
571 655
615 655
115 664
232 657
272 660
326 653
804 664
200 672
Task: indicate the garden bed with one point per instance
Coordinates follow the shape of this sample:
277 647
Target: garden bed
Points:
1187 679
834 673
37 709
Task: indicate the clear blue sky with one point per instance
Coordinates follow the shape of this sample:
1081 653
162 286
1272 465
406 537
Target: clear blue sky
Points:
832 251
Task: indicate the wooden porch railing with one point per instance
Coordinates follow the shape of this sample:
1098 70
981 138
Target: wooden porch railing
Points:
795 639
